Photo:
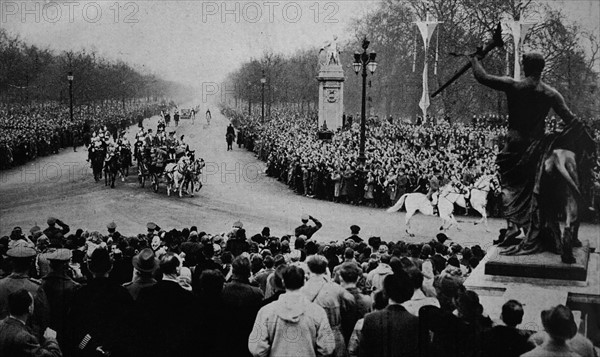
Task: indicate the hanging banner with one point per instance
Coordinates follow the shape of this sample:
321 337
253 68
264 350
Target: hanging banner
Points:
437 46
415 52
426 29
519 31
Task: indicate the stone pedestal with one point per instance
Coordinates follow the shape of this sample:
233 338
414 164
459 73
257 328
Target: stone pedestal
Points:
541 281
544 265
331 97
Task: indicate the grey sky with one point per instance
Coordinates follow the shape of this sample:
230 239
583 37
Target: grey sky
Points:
198 41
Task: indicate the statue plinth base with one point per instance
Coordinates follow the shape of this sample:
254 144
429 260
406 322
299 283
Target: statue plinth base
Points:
541 292
544 265
331 97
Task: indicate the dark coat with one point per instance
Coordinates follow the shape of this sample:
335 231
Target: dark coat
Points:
237 246
230 131
203 264
137 284
504 341
16 340
122 271
212 325
41 313
170 317
307 230
52 231
392 331
355 238
451 335
242 302
101 309
60 290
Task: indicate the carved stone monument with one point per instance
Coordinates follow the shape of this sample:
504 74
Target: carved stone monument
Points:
331 88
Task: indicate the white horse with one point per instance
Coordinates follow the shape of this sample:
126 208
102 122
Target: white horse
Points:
477 195
418 202
176 175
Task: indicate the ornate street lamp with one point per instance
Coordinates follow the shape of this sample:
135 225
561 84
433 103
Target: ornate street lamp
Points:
263 80
70 79
364 61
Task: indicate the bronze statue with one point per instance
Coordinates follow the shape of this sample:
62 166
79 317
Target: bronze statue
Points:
541 174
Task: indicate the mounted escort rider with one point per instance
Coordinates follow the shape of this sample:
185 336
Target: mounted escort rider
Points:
111 150
434 188
139 142
124 144
97 144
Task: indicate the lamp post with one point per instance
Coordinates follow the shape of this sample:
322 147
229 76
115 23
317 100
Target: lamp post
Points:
249 98
263 80
364 61
70 79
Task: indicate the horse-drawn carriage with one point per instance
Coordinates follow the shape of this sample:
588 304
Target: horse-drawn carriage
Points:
186 113
181 174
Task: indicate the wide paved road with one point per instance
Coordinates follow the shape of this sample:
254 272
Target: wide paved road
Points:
235 188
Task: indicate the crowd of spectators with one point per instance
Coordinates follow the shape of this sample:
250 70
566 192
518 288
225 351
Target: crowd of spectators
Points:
33 130
186 292
400 157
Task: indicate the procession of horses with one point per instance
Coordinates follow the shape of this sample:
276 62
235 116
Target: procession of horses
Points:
161 159
449 195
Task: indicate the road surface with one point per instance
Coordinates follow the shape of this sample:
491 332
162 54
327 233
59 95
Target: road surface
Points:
235 188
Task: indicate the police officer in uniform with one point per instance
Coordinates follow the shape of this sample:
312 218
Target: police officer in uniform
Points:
112 232
59 288
22 257
354 229
152 228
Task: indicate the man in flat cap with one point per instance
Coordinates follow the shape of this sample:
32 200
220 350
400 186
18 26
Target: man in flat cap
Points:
60 289
354 229
305 229
22 258
52 231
